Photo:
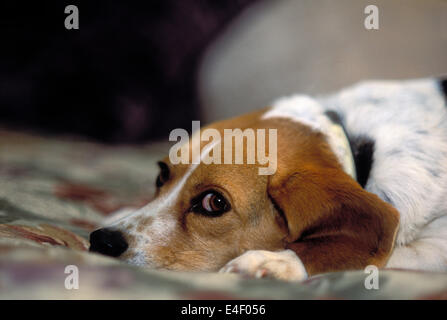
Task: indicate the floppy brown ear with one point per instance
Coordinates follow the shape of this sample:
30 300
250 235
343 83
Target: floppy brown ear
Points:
333 223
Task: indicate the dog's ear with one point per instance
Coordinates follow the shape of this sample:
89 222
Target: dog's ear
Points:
333 223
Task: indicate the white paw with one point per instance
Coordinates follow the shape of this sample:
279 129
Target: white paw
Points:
283 265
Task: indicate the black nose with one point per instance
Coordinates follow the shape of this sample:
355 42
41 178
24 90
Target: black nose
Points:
108 242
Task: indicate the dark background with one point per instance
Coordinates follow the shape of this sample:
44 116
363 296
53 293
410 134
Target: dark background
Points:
129 74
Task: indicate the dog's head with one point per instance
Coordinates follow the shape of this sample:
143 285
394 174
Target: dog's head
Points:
204 215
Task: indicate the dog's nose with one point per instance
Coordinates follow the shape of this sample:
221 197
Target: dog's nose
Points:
108 242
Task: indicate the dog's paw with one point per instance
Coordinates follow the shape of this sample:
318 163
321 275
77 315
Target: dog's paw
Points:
283 265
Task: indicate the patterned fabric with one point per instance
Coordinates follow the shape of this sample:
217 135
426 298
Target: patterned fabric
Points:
53 192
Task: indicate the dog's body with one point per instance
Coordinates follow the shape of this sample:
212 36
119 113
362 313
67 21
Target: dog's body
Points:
405 125
311 216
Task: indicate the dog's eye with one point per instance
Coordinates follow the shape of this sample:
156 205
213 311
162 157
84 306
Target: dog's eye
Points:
163 176
211 203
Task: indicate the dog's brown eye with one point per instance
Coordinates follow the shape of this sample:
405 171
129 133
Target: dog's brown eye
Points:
163 175
211 203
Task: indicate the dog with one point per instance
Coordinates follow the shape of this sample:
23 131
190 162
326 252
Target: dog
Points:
361 180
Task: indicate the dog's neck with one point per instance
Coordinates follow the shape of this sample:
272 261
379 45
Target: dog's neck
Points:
303 109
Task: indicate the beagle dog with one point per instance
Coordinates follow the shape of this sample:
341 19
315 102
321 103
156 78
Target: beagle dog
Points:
361 179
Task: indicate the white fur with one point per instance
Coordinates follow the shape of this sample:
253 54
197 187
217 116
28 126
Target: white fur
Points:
283 265
408 122
299 108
